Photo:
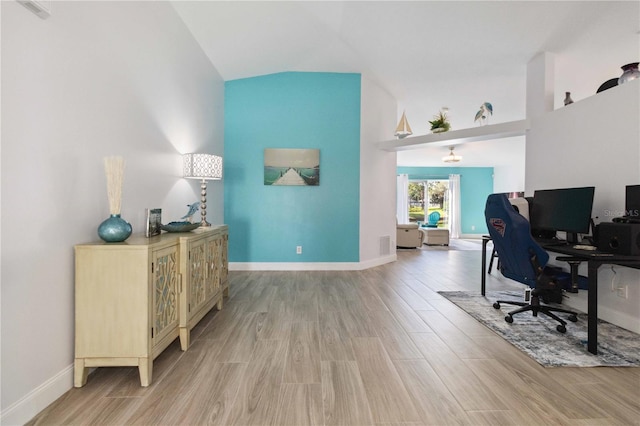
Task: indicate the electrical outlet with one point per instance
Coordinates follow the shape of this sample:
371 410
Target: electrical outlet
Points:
473 227
299 250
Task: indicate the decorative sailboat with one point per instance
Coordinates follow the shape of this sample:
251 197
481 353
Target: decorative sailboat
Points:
403 130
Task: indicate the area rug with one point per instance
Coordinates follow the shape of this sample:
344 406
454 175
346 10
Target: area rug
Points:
538 337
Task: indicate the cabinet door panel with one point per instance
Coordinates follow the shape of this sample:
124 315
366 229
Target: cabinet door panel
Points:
197 274
214 266
165 291
224 273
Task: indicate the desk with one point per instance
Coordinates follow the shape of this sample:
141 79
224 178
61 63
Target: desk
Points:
594 260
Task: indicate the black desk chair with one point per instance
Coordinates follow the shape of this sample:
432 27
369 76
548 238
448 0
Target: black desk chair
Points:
523 260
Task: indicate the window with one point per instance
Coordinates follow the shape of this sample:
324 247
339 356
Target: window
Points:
429 196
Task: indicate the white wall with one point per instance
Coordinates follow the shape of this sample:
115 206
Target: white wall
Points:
95 79
377 173
509 176
593 142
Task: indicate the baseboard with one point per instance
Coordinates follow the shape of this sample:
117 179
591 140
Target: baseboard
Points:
310 266
38 399
621 319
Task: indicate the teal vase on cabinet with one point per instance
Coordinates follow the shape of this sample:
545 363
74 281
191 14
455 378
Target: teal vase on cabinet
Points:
114 229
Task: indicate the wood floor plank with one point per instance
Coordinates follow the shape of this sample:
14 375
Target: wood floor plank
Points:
257 399
343 395
335 343
300 404
305 306
223 323
623 407
459 342
413 299
406 316
261 297
303 355
431 397
243 336
472 393
529 405
369 298
462 320
388 399
423 290
496 417
207 398
276 323
541 381
395 340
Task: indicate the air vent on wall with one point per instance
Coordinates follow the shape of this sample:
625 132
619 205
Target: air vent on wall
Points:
42 8
385 245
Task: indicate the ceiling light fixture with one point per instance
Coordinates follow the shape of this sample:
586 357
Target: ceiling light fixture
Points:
451 158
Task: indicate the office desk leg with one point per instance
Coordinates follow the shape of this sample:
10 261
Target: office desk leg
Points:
592 307
483 280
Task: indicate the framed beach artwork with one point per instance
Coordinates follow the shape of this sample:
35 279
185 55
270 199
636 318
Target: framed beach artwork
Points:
298 167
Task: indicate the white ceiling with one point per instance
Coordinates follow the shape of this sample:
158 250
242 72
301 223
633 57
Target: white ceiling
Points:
427 54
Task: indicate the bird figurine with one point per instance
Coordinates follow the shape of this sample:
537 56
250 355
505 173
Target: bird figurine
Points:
486 109
193 208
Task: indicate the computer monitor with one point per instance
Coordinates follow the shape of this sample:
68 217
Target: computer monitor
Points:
567 210
632 201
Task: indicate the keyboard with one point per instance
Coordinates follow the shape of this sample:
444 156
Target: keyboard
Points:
551 242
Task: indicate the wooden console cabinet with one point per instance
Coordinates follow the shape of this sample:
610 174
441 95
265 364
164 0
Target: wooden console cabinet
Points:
132 299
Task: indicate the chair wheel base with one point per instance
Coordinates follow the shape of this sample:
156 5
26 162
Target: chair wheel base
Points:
508 319
572 318
561 328
496 305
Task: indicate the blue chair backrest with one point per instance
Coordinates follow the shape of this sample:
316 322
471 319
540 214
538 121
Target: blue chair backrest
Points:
433 218
511 236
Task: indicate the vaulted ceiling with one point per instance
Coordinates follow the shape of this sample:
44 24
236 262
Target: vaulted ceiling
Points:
426 54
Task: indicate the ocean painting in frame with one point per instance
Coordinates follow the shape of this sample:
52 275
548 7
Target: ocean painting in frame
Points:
298 167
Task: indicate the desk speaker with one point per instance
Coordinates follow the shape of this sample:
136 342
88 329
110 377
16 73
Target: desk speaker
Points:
619 238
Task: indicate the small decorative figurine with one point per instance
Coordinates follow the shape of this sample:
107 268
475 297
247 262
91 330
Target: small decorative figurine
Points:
193 208
486 109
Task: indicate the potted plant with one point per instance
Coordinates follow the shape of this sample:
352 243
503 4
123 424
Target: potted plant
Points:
440 123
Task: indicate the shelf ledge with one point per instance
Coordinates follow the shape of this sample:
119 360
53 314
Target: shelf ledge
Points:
474 134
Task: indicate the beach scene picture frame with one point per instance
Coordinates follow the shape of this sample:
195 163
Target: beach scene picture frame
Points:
291 167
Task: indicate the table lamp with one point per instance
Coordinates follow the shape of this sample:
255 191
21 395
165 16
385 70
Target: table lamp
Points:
204 167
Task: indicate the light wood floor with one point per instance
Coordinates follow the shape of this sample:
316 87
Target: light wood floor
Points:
378 346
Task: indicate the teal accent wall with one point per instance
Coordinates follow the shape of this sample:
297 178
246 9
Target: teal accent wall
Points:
476 183
293 110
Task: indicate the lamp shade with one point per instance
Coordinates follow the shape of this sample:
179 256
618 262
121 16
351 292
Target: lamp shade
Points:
202 166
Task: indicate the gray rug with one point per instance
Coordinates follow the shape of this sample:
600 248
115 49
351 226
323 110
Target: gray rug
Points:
538 338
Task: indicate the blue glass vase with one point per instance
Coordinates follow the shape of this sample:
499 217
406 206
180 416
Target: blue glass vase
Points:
114 229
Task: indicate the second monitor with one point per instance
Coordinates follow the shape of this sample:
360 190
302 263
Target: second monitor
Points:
567 210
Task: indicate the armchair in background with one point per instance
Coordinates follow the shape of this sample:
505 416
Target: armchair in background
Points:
409 235
432 220
523 260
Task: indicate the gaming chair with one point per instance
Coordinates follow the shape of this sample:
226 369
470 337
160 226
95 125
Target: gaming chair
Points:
523 260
